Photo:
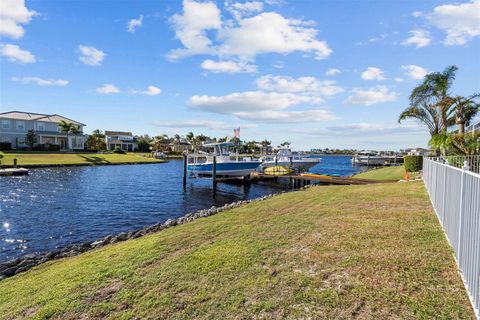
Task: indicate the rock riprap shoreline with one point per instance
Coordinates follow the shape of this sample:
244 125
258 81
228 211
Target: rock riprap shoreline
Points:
22 264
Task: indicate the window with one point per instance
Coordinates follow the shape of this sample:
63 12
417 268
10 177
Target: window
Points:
40 126
21 141
5 124
21 125
6 139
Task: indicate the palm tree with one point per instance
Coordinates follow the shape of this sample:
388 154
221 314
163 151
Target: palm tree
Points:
456 143
465 110
424 113
66 127
431 101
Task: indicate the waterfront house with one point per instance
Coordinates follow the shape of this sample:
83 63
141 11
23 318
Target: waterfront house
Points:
14 126
180 145
121 139
417 152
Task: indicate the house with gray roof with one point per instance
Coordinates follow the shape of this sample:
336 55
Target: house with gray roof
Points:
14 126
121 139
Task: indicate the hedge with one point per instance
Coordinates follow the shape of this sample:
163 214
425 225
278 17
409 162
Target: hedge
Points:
413 163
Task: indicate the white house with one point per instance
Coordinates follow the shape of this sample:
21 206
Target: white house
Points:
14 126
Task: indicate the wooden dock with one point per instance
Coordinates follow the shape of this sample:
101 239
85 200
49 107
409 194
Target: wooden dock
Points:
302 179
13 172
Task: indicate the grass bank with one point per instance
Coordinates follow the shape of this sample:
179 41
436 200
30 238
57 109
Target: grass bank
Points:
338 252
57 158
385 173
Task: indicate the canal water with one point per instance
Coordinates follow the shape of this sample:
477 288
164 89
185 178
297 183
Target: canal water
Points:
51 208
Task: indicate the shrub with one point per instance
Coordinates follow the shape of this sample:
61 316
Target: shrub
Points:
413 163
118 150
54 147
5 146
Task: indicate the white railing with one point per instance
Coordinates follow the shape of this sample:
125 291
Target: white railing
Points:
473 128
455 195
472 162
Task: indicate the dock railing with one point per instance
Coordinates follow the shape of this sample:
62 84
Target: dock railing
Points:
455 195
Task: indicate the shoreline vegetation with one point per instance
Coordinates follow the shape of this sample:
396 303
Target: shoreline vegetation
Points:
49 159
322 252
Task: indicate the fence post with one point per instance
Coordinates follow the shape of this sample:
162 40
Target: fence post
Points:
460 218
444 213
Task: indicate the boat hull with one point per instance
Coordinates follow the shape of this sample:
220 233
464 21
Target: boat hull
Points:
226 169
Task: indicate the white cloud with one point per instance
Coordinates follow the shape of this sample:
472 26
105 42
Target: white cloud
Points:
91 55
461 22
261 106
244 38
275 116
363 129
41 82
134 23
240 9
15 54
374 95
107 89
228 66
199 123
301 85
14 13
150 91
419 38
373 73
269 32
332 72
191 26
398 79
415 72
417 14
249 101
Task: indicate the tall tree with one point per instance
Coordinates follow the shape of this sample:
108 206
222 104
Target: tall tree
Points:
465 109
67 128
96 141
30 138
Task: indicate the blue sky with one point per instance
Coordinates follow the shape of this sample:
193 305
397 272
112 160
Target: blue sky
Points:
320 74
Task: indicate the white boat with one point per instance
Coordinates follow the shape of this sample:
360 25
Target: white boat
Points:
227 164
286 158
370 158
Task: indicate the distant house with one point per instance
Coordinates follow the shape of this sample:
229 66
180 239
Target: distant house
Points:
181 145
417 152
124 140
14 126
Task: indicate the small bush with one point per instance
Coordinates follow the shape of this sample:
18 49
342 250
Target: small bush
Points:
413 163
54 147
5 146
118 150
1 154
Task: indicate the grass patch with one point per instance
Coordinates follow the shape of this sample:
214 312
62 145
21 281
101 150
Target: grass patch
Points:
58 158
337 252
385 173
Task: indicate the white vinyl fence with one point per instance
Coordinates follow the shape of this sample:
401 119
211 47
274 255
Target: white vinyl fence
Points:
455 195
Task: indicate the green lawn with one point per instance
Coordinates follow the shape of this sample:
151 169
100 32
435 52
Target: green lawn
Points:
56 158
385 173
332 252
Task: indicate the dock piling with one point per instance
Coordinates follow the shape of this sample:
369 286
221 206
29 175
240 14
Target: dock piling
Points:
214 174
185 160
15 163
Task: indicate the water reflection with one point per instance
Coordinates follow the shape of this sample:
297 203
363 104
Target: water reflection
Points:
52 208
